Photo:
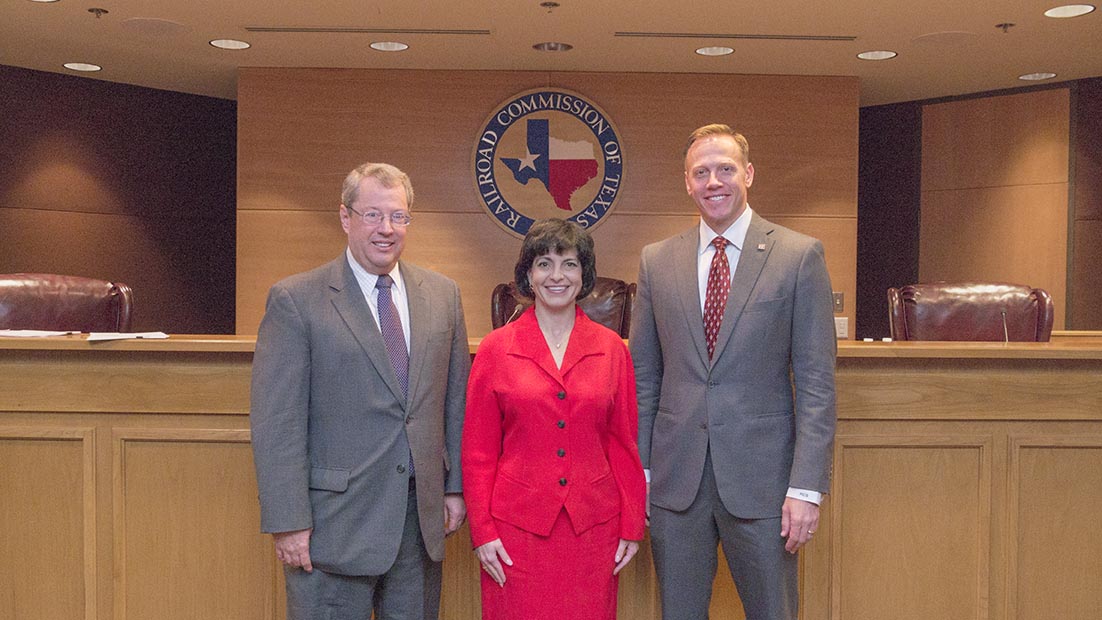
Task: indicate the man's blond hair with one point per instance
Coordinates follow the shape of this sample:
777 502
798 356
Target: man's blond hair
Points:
717 129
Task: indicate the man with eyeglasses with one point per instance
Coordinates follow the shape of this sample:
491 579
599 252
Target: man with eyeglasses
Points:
358 392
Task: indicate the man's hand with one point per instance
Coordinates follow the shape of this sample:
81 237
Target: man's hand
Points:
799 520
455 513
293 548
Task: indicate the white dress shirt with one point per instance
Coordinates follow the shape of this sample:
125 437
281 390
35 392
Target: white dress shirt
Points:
367 281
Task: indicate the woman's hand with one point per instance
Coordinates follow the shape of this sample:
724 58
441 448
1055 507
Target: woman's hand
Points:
491 555
624 552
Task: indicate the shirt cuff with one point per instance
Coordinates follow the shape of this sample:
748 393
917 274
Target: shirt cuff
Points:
646 475
814 497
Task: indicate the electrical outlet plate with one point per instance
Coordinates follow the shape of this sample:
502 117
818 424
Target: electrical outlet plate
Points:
841 327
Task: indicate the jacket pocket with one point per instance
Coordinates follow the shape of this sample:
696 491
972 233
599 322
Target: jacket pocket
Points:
766 305
329 479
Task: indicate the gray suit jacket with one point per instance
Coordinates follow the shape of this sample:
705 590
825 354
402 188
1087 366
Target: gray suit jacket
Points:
331 430
764 405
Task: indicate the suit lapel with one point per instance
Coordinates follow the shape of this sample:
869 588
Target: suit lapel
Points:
419 320
688 289
349 301
755 251
528 342
582 344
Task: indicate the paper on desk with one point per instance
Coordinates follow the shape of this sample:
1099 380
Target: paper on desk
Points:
97 336
31 333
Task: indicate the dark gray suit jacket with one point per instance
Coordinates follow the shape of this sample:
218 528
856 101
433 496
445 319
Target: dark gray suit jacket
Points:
330 424
765 403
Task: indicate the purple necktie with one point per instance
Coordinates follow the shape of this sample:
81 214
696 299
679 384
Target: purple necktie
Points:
390 324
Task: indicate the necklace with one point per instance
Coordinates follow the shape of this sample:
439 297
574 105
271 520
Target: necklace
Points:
556 340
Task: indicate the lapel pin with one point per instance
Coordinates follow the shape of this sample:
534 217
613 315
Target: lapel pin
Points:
761 247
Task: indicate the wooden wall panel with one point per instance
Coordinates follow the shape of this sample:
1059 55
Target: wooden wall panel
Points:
995 191
48 519
998 234
301 130
193 383
956 463
1054 484
1008 140
476 253
913 542
938 389
186 519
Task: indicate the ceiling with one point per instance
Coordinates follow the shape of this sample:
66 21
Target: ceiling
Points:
945 47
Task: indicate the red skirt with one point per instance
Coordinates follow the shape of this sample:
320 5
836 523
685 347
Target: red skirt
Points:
562 576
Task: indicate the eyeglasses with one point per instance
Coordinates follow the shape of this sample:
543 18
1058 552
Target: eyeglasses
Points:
374 218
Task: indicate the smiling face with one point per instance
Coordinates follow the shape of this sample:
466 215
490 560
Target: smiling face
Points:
718 179
376 248
556 279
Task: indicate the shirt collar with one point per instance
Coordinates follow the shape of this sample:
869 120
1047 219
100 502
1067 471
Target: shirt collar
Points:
367 279
735 233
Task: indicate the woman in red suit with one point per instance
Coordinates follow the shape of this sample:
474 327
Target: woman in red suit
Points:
551 471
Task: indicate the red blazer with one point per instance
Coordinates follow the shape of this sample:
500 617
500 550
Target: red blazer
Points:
538 439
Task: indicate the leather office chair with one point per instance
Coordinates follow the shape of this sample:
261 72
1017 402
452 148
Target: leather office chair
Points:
70 303
608 304
970 311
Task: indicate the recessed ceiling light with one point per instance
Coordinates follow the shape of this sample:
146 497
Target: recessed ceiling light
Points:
230 44
389 46
82 66
1040 75
43 1
1069 10
877 55
717 50
552 46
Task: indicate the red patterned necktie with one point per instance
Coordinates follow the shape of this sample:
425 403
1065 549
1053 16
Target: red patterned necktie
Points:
715 298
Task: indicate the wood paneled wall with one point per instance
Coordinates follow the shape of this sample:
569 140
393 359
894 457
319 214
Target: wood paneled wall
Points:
121 183
995 191
301 130
965 479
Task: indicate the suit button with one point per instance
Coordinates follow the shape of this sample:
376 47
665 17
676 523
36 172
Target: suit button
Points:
561 395
703 426
562 482
401 469
561 423
562 452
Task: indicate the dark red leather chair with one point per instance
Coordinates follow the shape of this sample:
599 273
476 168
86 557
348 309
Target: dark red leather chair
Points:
971 311
70 303
608 304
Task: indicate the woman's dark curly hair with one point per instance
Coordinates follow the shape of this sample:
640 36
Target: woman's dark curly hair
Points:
558 236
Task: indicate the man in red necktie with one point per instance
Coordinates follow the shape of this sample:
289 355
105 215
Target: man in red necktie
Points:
733 343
